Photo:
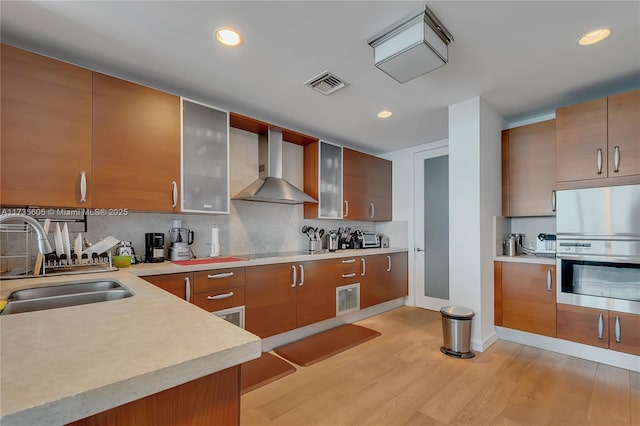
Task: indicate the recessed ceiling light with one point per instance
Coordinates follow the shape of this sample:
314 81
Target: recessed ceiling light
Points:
228 37
385 114
594 37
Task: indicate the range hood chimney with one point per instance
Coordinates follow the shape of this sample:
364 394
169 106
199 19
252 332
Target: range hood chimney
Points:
270 186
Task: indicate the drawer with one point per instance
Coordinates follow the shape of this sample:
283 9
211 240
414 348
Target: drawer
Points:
217 279
348 264
217 300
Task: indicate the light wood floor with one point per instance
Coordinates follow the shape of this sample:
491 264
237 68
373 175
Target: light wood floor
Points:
401 378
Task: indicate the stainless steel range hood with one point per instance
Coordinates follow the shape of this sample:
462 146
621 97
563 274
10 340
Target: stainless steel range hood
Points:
270 186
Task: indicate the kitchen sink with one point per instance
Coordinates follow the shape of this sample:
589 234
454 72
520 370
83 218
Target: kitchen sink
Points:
64 295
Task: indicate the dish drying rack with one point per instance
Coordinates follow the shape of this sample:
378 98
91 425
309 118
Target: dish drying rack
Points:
12 231
85 264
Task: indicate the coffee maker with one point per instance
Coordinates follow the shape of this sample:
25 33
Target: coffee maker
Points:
180 239
154 247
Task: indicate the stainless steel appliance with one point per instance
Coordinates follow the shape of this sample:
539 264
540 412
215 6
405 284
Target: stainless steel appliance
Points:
598 248
180 239
370 241
154 247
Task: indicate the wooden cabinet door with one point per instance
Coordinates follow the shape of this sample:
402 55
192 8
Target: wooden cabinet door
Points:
355 185
136 146
178 284
624 332
270 299
396 275
624 134
316 298
380 184
581 134
529 169
529 298
374 280
46 131
583 325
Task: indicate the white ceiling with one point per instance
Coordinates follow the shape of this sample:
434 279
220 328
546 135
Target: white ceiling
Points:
521 57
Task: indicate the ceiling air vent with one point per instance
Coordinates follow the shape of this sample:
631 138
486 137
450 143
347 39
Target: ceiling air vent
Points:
326 83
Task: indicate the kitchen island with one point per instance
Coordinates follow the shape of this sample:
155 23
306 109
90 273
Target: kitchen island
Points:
62 365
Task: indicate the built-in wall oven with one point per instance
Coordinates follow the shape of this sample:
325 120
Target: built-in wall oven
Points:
598 248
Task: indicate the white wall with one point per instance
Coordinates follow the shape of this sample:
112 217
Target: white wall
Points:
475 191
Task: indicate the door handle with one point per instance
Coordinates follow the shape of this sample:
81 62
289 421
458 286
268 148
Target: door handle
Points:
418 249
174 194
618 330
549 279
83 187
388 263
346 208
295 276
553 200
364 267
301 275
599 161
616 159
187 289
373 210
600 326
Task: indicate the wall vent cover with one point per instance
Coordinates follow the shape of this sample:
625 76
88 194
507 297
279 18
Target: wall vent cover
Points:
326 83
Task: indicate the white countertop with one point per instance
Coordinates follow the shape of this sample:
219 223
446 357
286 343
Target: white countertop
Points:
526 258
61 365
166 267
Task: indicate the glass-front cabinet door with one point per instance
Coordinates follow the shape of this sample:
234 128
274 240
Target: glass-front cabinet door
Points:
330 202
205 158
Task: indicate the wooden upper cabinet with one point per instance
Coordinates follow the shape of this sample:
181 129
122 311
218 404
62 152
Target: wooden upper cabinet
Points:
528 170
581 138
46 131
529 297
136 146
624 134
366 186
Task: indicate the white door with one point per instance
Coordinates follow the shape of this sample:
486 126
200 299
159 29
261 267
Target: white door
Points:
431 220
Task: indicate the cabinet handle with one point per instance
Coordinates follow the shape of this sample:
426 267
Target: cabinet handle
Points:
349 275
389 263
222 275
364 267
295 276
83 187
599 161
618 330
301 275
220 296
553 200
346 208
373 210
187 289
349 261
616 159
549 279
174 194
600 326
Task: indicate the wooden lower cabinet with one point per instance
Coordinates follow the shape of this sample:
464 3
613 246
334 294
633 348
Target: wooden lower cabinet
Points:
173 283
281 297
384 279
210 400
618 331
529 297
583 325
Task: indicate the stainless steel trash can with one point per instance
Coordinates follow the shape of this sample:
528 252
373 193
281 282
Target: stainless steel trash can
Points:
456 331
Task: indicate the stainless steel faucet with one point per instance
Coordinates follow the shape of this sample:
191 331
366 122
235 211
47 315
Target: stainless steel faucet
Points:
43 242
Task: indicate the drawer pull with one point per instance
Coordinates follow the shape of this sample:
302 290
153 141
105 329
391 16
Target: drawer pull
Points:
222 275
351 275
600 327
220 296
187 289
349 261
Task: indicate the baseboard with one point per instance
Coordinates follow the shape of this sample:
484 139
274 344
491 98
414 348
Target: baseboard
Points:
272 342
485 343
578 350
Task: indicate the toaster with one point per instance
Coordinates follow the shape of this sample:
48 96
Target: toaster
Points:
370 241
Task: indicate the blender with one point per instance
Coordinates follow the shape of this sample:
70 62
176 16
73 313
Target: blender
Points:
180 239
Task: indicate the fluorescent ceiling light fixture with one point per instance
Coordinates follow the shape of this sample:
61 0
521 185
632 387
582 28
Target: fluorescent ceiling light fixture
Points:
385 114
594 37
228 37
415 46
